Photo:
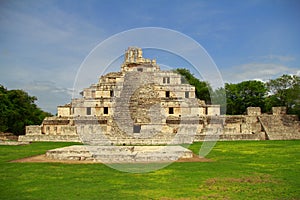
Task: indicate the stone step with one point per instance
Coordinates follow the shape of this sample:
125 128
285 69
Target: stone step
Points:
277 128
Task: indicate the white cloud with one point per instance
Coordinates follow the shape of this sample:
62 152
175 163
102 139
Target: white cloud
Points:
48 93
279 58
256 71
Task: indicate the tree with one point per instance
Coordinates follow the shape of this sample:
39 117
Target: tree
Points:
218 97
17 110
284 91
202 88
245 94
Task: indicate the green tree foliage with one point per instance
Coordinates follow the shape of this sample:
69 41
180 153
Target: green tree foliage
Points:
202 88
284 91
17 109
219 98
245 94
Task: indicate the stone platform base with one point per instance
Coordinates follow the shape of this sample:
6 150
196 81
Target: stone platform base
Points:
13 143
49 138
120 154
231 137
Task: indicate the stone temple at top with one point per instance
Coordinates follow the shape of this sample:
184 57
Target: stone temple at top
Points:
142 104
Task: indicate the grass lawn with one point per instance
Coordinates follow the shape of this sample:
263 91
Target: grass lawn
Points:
240 170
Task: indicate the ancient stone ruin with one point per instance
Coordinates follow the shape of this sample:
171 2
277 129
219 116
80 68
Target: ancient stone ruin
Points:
143 105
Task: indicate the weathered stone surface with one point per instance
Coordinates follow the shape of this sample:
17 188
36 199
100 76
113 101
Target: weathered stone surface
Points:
232 137
281 127
279 110
120 154
13 143
7 136
253 111
49 138
10 139
33 130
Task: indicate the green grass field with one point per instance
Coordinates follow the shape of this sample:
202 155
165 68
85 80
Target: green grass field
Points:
240 170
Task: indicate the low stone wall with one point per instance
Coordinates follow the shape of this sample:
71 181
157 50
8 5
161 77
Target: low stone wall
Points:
230 137
33 130
13 143
279 110
49 138
8 136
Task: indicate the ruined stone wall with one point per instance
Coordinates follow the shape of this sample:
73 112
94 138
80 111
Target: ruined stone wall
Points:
52 129
253 111
279 110
213 110
56 129
7 137
281 127
64 111
240 127
34 130
49 138
231 137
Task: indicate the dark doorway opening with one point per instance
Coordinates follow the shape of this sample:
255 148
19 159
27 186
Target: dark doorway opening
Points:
136 128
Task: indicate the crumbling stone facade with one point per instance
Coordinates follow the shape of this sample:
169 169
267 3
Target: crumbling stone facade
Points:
142 104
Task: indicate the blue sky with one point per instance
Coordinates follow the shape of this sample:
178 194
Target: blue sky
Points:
43 43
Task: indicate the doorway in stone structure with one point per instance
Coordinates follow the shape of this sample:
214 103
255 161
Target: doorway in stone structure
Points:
136 128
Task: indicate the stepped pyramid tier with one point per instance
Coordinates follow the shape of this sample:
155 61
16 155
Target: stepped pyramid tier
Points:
142 104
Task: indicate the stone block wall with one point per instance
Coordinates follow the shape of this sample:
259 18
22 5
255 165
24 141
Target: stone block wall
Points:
64 111
34 130
253 111
279 110
281 127
213 110
49 138
243 127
